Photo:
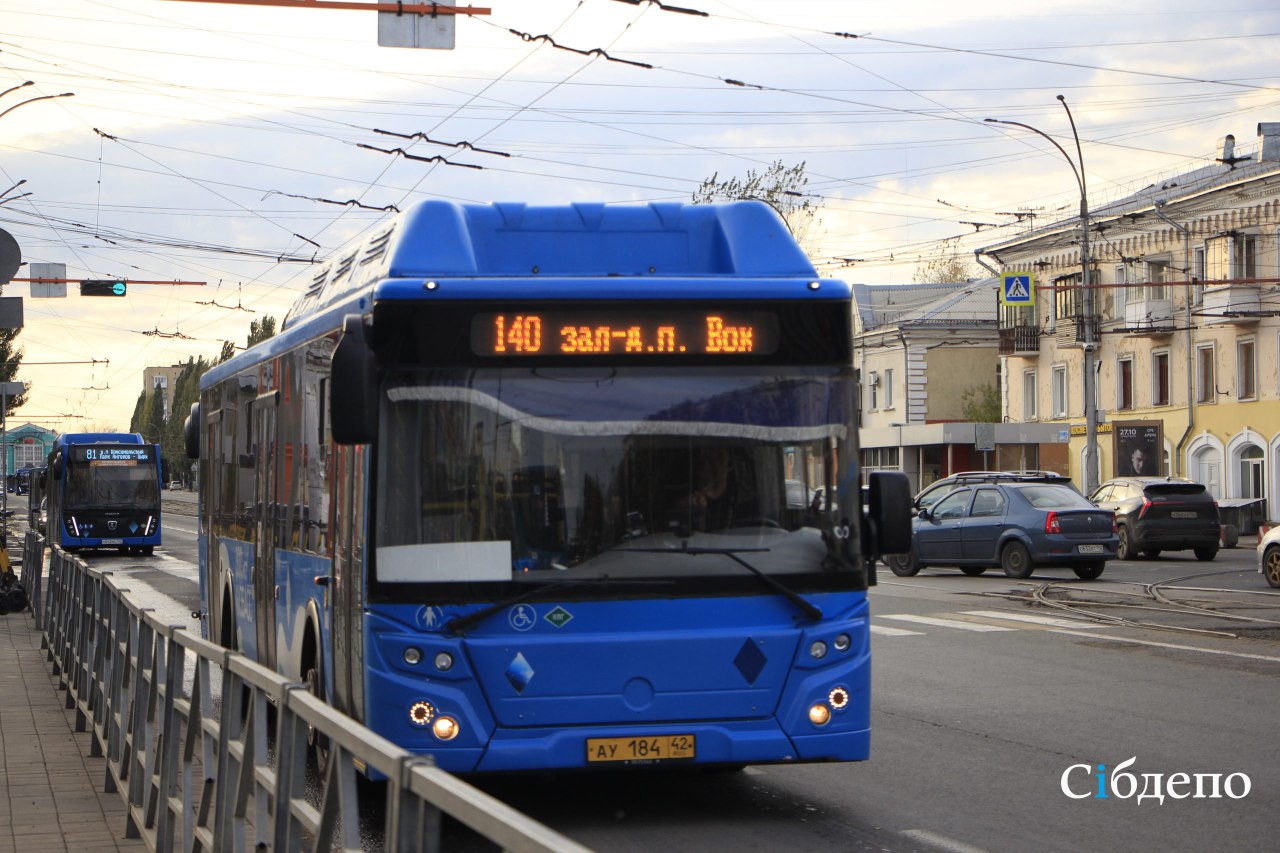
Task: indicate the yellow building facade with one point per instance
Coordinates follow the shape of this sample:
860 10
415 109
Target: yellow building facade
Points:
1184 279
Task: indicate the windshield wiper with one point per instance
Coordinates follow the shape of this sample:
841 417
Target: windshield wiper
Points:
810 609
458 624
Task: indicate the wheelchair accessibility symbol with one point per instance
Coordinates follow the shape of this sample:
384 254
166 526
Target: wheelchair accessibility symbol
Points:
522 617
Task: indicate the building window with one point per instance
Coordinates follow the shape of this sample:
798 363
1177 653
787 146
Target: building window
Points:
1119 295
1029 395
1158 273
1197 273
1124 382
874 396
1246 370
1068 297
1206 388
888 389
1160 378
1246 257
1060 391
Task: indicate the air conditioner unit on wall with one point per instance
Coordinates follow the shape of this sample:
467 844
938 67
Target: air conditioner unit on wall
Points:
875 379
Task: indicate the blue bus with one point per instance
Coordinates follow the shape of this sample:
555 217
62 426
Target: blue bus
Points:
530 488
103 491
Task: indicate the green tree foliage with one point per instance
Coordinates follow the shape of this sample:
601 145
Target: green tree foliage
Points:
150 420
259 332
947 266
780 186
10 361
981 404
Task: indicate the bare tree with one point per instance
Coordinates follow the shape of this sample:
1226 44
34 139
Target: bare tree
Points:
947 266
780 186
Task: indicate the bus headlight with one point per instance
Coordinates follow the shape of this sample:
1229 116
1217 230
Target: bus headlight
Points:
843 642
420 713
838 698
444 661
819 714
445 728
818 650
412 656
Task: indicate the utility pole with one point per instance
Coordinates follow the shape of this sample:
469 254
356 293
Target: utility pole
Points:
1089 316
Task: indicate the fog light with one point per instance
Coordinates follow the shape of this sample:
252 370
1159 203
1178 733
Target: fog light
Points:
444 661
818 650
420 713
839 697
843 642
445 728
819 714
412 656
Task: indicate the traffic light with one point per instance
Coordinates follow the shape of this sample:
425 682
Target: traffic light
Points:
102 287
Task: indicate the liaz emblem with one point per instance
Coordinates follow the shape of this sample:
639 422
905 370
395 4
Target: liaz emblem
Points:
558 616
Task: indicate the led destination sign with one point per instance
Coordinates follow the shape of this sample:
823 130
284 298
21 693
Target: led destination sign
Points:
117 454
624 332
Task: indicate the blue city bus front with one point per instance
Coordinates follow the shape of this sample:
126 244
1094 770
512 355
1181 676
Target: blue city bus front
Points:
586 556
105 492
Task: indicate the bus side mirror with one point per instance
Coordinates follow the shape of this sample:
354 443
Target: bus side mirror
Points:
353 397
888 514
56 467
191 432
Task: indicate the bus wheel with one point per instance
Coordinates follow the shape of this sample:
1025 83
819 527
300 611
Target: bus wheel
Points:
147 550
317 743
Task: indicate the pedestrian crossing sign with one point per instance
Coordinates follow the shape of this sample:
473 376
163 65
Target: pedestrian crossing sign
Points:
1018 289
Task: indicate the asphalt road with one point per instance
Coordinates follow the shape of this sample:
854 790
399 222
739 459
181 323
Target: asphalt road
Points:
977 714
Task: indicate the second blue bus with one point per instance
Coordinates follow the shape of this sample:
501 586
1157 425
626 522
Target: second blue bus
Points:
103 491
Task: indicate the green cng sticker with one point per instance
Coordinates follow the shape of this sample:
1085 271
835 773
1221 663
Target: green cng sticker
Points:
558 616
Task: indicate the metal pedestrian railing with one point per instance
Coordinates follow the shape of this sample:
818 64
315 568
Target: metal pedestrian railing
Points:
187 731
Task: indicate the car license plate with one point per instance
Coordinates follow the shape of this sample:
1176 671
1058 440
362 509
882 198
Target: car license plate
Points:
640 749
1092 549
1182 514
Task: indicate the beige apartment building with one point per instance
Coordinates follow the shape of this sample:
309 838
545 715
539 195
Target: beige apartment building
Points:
1185 279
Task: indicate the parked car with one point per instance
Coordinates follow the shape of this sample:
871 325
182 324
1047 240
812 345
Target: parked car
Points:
42 516
1018 526
1156 514
1269 556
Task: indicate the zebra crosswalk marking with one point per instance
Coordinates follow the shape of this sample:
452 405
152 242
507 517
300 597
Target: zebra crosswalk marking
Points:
1047 621
886 631
945 623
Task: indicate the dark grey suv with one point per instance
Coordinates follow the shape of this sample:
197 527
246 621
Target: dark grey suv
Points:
1155 514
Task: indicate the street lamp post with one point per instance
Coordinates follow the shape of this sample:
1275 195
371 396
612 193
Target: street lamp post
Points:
1086 283
29 100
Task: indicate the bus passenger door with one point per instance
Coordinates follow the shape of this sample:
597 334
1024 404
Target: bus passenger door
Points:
264 575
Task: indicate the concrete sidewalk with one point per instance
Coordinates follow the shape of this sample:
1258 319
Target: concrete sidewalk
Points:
51 795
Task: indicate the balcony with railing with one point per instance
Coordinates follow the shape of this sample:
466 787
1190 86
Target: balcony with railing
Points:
1074 331
1020 340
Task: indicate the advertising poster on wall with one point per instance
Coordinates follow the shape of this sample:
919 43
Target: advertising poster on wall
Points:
1139 449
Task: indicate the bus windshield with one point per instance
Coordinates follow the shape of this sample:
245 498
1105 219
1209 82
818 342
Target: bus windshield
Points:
112 484
509 474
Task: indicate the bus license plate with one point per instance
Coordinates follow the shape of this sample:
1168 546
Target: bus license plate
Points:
640 749
1091 549
112 541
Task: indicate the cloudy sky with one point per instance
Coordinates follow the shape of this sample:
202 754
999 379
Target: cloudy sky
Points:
203 141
